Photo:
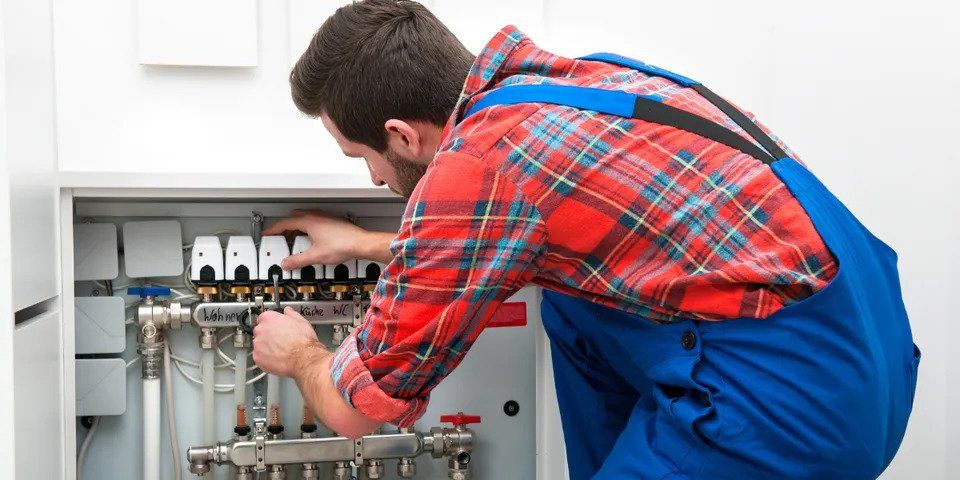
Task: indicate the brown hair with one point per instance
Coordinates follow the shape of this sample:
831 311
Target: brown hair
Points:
374 60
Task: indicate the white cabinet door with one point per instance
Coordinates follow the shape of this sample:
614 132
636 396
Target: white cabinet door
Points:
6 292
38 403
30 149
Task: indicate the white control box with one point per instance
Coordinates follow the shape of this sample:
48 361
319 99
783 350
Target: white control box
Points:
95 251
152 249
310 272
273 249
206 260
101 386
240 259
100 325
369 271
341 272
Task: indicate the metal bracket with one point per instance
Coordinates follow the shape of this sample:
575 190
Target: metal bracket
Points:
256 225
358 451
260 439
357 310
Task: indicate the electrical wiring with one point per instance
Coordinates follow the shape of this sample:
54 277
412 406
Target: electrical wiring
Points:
179 295
86 445
180 359
226 358
187 281
228 363
114 288
194 363
220 387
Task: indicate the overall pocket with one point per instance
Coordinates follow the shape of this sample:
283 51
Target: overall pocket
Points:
914 368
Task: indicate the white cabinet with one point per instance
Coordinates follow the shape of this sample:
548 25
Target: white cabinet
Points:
29 150
37 376
29 272
6 297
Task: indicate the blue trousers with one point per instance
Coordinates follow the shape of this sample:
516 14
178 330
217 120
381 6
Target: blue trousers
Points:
820 390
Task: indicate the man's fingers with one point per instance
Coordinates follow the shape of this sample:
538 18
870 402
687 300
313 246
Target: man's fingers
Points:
300 260
302 212
290 312
266 316
284 225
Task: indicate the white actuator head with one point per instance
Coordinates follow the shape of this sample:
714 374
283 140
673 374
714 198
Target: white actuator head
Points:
273 249
341 272
311 272
241 259
369 271
206 263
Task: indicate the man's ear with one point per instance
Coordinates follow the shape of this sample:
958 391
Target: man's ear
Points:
403 138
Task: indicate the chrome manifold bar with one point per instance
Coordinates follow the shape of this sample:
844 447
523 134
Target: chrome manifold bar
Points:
257 453
239 314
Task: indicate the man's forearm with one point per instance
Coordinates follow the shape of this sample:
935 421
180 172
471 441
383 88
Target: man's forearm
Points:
376 246
312 375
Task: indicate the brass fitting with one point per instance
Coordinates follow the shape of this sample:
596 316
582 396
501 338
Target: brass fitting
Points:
240 290
269 290
207 290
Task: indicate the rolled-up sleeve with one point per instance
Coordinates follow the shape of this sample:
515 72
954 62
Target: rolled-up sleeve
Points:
468 240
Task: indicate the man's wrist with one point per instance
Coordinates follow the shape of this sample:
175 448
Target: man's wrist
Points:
375 246
307 357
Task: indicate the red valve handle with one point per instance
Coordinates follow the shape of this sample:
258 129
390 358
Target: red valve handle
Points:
460 419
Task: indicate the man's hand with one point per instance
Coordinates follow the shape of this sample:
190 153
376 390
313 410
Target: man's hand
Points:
285 344
334 239
278 340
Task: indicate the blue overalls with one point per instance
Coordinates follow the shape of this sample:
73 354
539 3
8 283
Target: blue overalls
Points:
822 389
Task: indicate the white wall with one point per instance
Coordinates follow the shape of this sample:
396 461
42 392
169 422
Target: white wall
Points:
117 115
865 91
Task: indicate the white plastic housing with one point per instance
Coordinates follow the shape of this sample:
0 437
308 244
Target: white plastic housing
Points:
273 249
240 252
351 266
207 252
363 266
152 249
301 244
95 251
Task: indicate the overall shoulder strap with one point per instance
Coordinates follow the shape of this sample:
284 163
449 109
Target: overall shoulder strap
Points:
649 108
726 107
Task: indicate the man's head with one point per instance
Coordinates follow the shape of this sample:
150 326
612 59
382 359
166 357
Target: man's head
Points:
383 76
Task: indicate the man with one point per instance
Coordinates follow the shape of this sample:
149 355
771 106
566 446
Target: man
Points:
713 311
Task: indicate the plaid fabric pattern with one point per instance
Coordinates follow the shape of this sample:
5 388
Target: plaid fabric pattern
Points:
638 216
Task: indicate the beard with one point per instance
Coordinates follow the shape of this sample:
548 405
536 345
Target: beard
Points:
408 173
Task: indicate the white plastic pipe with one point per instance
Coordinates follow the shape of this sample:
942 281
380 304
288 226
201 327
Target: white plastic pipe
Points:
240 378
151 429
209 381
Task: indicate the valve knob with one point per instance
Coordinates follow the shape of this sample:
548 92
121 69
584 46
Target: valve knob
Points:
460 419
145 292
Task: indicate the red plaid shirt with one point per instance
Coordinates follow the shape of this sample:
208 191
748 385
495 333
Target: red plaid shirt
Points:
638 216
